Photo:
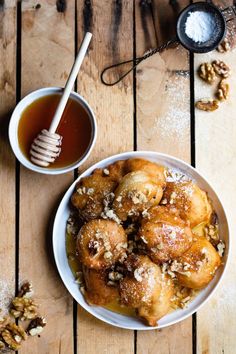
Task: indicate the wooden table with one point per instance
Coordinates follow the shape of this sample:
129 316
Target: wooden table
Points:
152 109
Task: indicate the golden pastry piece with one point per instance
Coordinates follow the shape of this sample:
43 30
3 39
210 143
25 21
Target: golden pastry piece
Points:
100 243
201 262
97 292
136 192
117 170
151 168
191 202
146 289
88 197
164 234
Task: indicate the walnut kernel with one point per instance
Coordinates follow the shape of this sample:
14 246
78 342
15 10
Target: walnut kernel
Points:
23 308
207 104
224 46
207 72
222 92
221 68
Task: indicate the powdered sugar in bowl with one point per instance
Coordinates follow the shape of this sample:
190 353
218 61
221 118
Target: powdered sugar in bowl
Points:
201 27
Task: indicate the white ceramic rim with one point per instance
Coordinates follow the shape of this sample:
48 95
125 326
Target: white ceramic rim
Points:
181 314
14 122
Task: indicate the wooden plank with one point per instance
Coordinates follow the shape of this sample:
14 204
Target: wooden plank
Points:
111 24
47 56
7 161
215 157
163 124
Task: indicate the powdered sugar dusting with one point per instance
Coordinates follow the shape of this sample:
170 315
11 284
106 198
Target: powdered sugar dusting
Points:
6 294
175 118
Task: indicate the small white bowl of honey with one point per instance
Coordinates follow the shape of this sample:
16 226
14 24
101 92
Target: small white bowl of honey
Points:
78 128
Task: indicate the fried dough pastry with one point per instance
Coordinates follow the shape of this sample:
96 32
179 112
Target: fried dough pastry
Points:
201 262
164 234
146 289
190 200
97 291
88 197
100 243
151 168
136 192
117 170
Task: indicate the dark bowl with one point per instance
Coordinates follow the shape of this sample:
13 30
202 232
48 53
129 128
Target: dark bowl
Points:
219 32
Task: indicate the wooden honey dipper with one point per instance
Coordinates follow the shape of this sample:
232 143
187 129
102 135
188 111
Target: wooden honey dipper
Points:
46 147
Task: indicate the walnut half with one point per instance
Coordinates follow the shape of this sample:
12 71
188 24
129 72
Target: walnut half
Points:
222 92
224 46
221 68
207 104
207 72
23 308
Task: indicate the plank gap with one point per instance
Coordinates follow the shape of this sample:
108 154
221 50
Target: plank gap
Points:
17 164
192 110
134 85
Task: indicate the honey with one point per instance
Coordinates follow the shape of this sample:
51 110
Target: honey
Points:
75 128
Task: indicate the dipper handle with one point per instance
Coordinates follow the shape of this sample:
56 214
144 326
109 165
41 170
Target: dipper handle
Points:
70 82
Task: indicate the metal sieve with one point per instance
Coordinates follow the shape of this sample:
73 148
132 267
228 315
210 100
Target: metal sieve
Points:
181 36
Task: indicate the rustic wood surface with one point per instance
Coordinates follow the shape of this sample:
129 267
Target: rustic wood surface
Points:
152 109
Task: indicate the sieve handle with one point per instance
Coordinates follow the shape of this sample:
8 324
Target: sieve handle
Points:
135 62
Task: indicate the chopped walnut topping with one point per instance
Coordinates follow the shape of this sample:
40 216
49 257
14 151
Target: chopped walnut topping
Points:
137 197
110 214
221 248
138 274
115 276
106 172
222 92
221 68
108 255
72 227
36 326
143 239
84 190
207 72
79 278
164 201
145 214
207 104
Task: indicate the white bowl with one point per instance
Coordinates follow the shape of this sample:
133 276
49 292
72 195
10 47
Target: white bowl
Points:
115 319
14 122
